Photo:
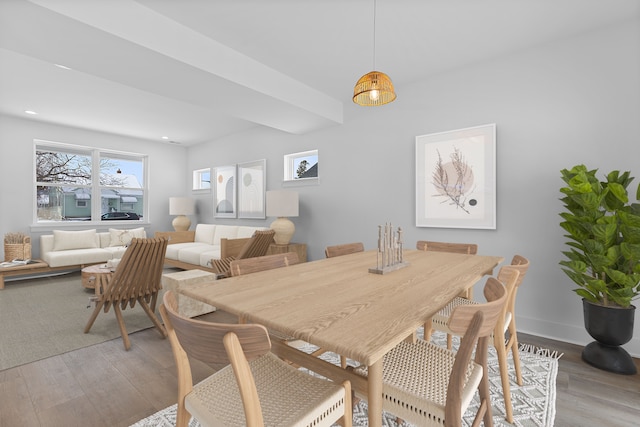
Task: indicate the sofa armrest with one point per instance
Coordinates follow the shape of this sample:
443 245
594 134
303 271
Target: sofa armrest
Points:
232 247
177 236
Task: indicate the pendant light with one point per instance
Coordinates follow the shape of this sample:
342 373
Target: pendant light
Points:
374 88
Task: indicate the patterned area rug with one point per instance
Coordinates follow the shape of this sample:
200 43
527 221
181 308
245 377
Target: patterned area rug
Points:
533 402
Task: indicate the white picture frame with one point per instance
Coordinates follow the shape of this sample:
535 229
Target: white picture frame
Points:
224 196
456 178
251 189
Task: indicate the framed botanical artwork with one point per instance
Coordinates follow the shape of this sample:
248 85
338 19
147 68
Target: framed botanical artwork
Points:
224 195
251 189
456 178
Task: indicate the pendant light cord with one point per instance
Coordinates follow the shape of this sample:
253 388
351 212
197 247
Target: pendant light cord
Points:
374 35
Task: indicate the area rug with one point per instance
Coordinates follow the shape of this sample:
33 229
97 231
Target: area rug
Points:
533 402
46 316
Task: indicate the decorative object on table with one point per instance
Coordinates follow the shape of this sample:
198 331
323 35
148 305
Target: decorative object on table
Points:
603 228
390 246
224 194
282 204
181 206
251 189
17 246
456 178
374 88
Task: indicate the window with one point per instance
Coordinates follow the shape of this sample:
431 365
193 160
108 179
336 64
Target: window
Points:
301 166
82 184
202 179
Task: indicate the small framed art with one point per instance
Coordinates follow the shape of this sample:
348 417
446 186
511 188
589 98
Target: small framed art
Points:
251 189
224 196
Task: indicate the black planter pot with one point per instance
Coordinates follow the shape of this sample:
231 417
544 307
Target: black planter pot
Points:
611 327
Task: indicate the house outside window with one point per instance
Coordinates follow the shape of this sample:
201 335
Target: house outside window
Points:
76 183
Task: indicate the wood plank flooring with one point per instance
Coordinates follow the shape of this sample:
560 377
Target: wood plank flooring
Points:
104 385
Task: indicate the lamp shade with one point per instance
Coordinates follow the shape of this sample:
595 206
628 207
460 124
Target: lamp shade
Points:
373 89
282 203
181 206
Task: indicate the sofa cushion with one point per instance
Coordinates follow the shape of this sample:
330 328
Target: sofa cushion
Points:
224 232
204 233
192 255
76 256
123 237
206 257
174 250
65 240
115 251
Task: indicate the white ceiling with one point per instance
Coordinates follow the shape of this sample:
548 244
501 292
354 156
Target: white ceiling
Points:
196 70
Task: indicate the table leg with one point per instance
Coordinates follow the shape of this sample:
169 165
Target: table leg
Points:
375 394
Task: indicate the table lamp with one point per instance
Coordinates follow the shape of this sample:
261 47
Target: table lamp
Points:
181 206
282 204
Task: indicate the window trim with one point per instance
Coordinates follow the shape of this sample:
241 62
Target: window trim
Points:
95 154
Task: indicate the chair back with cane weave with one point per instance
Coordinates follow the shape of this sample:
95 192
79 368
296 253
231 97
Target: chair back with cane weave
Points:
256 389
137 279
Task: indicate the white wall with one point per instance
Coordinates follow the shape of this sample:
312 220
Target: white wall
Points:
571 102
168 174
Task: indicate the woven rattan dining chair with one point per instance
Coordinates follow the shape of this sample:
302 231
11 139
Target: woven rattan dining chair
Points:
138 278
426 384
256 389
455 248
512 282
240 267
256 246
344 249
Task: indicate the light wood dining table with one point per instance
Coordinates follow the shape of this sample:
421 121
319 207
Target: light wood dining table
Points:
337 305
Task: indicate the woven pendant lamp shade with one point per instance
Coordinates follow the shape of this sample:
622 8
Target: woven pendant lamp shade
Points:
373 89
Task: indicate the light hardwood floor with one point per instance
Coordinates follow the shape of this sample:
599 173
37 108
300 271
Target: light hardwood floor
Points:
105 386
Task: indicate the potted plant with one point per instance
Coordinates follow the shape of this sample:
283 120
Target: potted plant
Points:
603 228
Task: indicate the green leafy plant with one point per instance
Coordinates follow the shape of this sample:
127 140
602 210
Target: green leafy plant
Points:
603 228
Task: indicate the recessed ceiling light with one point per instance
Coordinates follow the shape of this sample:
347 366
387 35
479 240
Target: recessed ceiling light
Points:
64 67
30 112
165 137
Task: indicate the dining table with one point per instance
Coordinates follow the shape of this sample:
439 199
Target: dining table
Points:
337 304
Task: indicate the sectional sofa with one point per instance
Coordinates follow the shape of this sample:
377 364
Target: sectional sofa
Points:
79 248
195 249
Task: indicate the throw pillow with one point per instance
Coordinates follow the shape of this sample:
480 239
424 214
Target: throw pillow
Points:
65 240
123 237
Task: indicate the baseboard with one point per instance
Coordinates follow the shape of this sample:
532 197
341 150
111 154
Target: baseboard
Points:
570 333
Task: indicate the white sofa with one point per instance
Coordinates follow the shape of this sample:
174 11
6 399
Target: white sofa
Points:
79 248
196 249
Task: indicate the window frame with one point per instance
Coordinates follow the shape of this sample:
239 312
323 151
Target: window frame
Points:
95 155
289 174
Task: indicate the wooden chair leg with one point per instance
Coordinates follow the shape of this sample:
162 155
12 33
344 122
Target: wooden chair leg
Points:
449 341
504 376
93 317
483 388
123 329
427 330
516 355
153 317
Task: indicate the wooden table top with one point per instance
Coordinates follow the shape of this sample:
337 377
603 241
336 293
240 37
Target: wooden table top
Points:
336 304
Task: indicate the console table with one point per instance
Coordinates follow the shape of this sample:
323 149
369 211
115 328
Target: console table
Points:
298 248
